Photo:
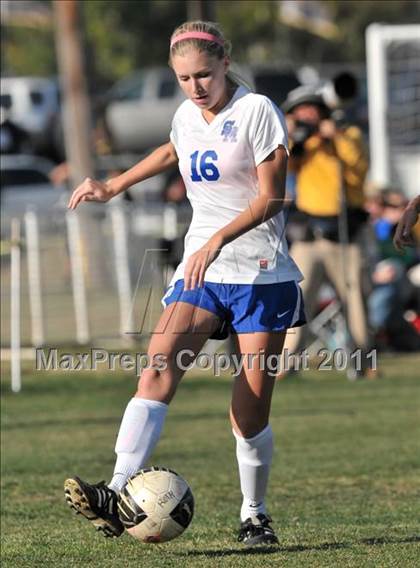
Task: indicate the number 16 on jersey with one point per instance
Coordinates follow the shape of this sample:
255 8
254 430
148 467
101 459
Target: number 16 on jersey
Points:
206 167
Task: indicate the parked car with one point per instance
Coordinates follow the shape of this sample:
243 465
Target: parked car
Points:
139 109
25 185
33 104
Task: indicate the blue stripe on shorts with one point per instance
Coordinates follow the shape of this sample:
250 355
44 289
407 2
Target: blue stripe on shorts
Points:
245 308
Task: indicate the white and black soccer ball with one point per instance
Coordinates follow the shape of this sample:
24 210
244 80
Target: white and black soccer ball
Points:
156 505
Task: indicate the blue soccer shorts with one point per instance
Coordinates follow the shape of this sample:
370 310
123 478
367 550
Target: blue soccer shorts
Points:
245 308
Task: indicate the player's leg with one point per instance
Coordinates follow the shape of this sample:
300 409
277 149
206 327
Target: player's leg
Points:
250 410
181 332
181 326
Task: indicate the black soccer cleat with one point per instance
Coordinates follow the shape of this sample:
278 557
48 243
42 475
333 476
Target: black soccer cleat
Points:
97 503
256 531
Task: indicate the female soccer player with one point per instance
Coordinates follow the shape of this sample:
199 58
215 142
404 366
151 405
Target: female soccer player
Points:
236 275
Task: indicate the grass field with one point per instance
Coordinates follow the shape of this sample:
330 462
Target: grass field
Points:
344 490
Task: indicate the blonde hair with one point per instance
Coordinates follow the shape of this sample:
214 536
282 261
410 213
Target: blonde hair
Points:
212 48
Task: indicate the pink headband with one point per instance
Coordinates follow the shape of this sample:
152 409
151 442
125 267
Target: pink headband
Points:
197 35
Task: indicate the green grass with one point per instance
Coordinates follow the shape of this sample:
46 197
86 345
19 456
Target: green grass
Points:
344 487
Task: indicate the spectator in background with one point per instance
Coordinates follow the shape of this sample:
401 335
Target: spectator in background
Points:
392 289
403 236
329 165
13 139
171 244
60 175
174 190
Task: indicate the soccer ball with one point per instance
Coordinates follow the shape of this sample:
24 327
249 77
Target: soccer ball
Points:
156 505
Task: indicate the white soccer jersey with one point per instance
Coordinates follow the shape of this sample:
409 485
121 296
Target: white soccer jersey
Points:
218 164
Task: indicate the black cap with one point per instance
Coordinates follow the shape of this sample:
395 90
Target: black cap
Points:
303 95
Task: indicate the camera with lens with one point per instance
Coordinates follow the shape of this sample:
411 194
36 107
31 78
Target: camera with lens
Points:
301 132
331 98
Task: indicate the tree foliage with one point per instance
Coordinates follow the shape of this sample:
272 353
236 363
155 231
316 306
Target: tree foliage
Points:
354 16
123 35
27 51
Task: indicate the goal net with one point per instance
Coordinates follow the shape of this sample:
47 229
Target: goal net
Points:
393 71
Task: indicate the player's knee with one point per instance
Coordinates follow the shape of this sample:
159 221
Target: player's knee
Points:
154 385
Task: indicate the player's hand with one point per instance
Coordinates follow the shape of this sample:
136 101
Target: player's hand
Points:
90 190
403 236
327 129
198 263
291 125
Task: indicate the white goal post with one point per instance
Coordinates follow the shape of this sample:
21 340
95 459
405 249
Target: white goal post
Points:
393 72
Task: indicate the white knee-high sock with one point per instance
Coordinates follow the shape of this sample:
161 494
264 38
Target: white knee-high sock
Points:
139 433
254 459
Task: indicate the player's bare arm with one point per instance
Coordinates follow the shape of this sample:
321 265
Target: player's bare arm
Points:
271 181
158 161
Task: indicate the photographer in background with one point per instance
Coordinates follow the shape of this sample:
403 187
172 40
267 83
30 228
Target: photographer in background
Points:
329 165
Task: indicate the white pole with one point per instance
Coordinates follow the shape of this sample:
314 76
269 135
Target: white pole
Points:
34 277
122 269
377 104
78 281
170 222
403 32
16 378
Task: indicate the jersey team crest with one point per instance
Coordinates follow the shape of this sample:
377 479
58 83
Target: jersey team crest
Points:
229 131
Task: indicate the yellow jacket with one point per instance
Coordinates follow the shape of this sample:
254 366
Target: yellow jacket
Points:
318 173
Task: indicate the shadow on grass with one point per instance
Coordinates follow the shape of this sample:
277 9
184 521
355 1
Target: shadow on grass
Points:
374 541
261 550
389 540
